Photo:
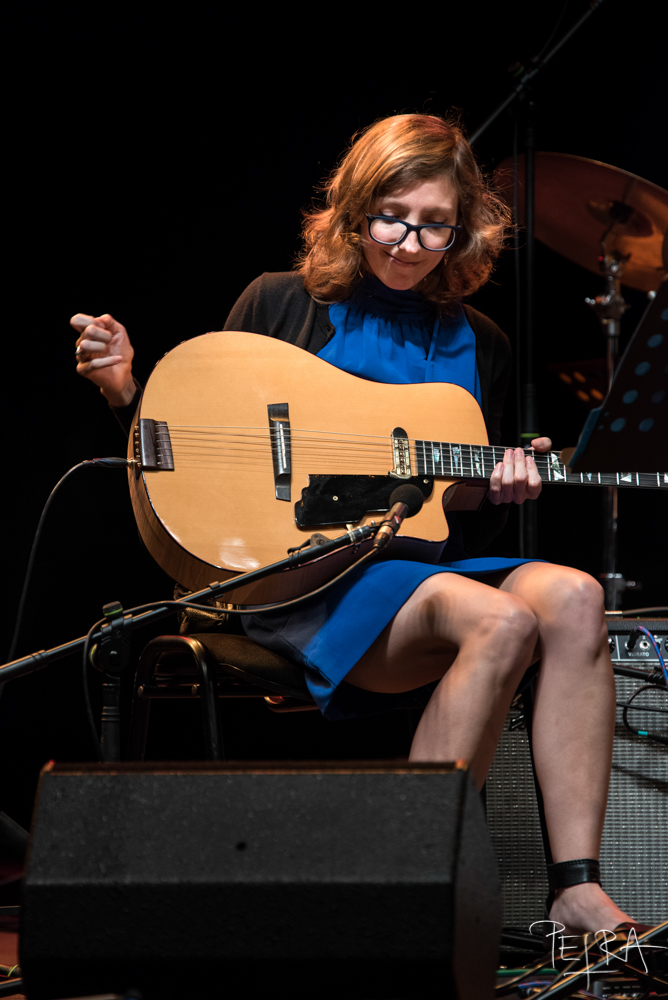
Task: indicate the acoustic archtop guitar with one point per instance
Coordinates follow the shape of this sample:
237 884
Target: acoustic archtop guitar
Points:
245 446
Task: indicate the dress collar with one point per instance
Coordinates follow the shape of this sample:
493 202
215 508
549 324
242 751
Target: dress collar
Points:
372 296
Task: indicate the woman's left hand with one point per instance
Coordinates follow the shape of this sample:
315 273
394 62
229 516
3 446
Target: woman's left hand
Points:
516 479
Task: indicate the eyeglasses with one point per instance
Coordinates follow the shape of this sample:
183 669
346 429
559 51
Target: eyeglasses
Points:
436 236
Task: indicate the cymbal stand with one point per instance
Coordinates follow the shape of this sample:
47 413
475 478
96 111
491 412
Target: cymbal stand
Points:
609 308
528 397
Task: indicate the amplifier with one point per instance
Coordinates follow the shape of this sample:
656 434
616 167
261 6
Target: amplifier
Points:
340 879
642 653
634 849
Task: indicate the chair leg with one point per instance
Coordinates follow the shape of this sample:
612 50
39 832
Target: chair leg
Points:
141 707
208 696
139 718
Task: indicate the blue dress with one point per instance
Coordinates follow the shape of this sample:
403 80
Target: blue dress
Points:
396 337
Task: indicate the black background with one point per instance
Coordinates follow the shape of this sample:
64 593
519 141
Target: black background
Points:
157 164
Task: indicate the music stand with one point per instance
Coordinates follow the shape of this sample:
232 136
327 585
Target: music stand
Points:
629 430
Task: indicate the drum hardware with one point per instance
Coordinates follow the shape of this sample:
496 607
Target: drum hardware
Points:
527 397
580 202
609 309
612 223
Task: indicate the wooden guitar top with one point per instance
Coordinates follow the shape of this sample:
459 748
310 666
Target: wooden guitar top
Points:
216 513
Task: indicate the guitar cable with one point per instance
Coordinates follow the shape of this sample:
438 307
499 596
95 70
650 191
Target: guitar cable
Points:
411 502
655 737
106 463
653 685
117 463
184 603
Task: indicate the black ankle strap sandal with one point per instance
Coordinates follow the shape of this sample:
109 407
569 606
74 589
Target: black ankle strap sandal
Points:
566 873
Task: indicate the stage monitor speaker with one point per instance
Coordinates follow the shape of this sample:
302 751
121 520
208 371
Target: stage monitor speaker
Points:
336 879
634 848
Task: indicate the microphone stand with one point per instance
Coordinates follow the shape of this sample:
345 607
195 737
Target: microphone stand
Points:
111 642
528 417
530 74
320 547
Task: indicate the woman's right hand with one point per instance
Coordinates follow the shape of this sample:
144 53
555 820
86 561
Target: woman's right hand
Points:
104 355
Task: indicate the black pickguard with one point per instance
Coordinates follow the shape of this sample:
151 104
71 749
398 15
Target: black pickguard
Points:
356 496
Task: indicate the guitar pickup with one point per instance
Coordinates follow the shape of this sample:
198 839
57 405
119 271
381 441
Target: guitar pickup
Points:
281 456
153 446
346 499
401 454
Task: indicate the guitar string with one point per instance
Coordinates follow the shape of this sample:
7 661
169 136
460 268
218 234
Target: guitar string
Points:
234 453
298 434
235 428
329 450
346 468
299 437
302 436
304 443
309 444
545 461
200 444
332 449
344 463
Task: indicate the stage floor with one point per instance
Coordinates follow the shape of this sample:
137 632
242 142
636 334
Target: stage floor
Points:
9 954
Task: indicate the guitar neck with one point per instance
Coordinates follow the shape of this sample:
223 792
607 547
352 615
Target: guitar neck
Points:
472 461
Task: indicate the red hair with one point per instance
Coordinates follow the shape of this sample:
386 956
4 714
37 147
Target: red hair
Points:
390 155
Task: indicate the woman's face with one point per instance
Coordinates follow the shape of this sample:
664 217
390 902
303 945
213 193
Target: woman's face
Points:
403 267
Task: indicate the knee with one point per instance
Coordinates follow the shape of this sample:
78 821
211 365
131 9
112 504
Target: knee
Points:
508 639
571 606
510 623
573 594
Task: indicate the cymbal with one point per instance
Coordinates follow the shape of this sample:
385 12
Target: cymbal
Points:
579 200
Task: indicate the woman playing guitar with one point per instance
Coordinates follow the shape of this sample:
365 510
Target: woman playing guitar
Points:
408 229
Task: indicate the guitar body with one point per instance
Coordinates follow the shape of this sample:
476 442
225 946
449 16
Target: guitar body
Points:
216 514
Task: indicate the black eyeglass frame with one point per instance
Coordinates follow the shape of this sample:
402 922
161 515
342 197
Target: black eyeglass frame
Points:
411 228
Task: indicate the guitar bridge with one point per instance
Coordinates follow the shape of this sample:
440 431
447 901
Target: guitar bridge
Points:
153 446
401 454
281 455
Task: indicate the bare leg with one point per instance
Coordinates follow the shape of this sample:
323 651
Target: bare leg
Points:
480 644
479 640
573 726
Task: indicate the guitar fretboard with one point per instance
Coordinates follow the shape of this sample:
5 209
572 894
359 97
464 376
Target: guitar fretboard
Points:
472 461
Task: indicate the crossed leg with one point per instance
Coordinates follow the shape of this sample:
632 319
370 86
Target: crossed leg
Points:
479 639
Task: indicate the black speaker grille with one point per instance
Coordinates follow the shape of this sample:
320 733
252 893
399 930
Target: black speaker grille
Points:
634 850
512 815
367 878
